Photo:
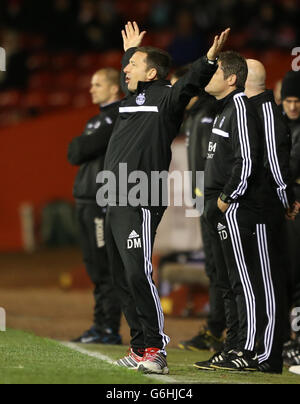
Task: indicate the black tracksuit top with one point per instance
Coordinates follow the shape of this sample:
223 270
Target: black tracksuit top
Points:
278 179
235 152
150 119
294 126
88 152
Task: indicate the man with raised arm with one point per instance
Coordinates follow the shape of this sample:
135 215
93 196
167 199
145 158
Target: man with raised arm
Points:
149 119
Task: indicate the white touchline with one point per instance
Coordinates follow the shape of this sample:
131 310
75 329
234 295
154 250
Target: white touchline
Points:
107 359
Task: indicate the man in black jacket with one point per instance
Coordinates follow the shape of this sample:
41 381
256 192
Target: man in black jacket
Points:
290 95
197 126
88 152
233 209
279 204
150 118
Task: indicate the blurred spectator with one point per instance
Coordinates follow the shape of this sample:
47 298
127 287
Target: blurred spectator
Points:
188 44
62 31
263 27
97 22
161 14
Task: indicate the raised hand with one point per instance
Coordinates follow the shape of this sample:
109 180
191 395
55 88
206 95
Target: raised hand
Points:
132 37
218 45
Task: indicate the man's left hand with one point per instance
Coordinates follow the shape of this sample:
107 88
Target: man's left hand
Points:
222 206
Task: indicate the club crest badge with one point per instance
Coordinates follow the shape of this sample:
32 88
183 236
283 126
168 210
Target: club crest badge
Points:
141 99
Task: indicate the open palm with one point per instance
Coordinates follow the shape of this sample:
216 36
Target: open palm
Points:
132 37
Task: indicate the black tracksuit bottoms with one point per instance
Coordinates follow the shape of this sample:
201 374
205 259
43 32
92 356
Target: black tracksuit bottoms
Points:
244 274
91 221
216 321
130 234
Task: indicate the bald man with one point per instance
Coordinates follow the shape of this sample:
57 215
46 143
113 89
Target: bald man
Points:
88 152
278 203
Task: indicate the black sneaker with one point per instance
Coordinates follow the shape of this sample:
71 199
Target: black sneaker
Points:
238 361
207 365
91 336
108 338
266 367
204 341
291 353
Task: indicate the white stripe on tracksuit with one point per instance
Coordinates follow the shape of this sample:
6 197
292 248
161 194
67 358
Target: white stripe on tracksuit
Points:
244 276
272 154
148 270
245 146
269 291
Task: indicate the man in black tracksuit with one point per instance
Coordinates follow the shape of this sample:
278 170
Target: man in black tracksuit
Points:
278 204
150 118
197 126
88 152
290 95
233 209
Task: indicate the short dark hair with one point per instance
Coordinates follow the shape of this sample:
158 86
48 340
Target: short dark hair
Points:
157 59
234 63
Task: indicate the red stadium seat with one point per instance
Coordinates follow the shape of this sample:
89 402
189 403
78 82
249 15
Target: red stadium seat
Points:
110 59
62 61
59 99
35 100
83 82
11 117
277 64
65 80
87 62
81 100
10 99
38 61
41 80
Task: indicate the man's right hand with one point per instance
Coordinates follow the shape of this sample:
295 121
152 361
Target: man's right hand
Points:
218 45
293 212
132 37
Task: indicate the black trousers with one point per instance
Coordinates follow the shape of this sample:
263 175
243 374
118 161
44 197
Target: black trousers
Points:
107 310
241 252
130 234
216 320
274 260
293 233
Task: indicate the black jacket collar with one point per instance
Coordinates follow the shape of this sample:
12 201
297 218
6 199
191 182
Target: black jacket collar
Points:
221 103
266 96
107 107
144 85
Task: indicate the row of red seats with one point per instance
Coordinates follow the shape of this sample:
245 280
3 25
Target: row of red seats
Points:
41 100
42 60
70 60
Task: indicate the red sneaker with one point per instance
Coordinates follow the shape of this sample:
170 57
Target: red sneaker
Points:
154 362
132 360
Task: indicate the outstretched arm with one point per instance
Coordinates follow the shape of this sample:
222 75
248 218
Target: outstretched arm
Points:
198 76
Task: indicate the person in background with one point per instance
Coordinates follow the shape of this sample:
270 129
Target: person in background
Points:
290 94
197 126
233 208
279 204
88 152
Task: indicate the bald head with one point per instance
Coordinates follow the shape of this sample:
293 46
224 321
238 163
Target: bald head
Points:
256 80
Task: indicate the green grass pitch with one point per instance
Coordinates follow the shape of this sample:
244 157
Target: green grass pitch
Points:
28 359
